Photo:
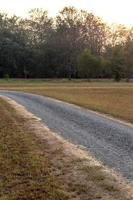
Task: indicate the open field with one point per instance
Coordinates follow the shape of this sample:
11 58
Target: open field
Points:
107 97
34 165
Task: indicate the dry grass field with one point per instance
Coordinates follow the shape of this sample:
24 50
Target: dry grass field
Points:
115 99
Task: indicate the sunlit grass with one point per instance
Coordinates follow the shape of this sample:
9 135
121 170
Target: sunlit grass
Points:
115 99
24 173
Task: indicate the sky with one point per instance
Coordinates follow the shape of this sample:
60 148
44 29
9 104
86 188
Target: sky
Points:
111 11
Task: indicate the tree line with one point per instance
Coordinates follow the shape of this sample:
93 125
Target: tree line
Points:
74 44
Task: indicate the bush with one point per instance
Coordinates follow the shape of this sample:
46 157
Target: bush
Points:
88 65
6 76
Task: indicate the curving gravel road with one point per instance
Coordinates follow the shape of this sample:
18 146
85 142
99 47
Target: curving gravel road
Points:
109 141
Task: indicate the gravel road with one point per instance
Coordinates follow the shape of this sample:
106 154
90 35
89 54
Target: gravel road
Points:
109 141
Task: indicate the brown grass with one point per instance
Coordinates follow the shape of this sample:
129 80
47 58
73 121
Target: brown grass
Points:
117 102
24 172
115 99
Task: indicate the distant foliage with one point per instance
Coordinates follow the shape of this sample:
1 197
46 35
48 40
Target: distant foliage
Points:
74 44
88 65
6 76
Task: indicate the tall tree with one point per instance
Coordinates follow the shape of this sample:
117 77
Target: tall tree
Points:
39 25
128 55
94 33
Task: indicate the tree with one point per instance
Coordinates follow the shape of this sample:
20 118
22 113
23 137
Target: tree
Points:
94 33
105 68
117 35
75 43
88 65
67 37
128 56
39 26
117 62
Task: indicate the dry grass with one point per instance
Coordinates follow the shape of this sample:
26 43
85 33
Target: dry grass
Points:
24 172
115 99
117 102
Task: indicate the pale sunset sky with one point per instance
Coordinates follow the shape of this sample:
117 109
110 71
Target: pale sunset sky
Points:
111 11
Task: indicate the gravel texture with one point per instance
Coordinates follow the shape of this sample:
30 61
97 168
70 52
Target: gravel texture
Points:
109 141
